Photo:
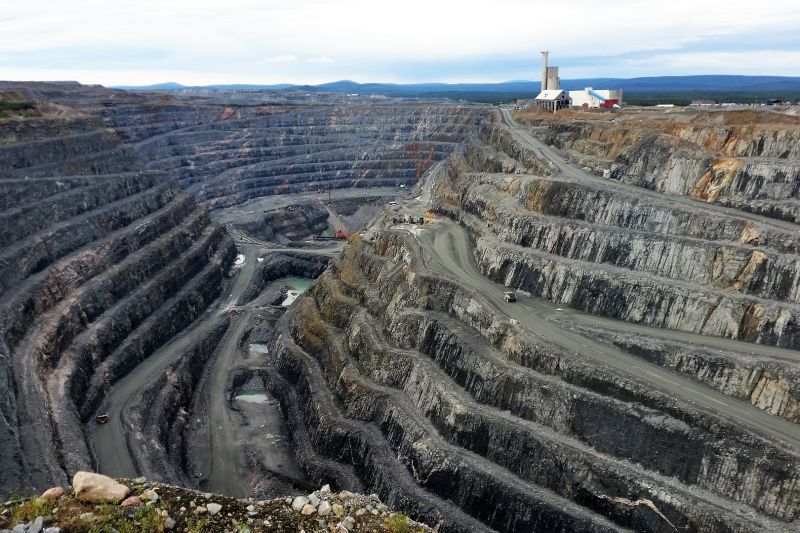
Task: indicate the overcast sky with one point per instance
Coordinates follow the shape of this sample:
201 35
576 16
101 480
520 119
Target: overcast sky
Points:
197 42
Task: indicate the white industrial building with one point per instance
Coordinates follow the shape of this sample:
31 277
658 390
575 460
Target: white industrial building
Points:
595 98
551 97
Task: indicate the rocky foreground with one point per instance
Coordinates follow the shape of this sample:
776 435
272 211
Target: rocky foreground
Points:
98 503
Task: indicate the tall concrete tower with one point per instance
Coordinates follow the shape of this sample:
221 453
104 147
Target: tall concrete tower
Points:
544 70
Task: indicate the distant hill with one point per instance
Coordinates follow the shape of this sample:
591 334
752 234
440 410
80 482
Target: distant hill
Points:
661 88
171 86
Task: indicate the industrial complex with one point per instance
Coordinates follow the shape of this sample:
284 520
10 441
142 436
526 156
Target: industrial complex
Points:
552 97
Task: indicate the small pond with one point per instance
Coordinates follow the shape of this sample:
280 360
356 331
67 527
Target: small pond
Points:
297 286
252 396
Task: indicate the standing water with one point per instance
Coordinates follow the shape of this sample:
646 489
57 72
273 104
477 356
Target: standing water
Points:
252 396
297 286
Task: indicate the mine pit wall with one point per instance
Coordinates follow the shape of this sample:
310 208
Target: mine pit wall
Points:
572 221
252 152
738 166
83 384
281 265
694 466
12 473
769 384
97 298
121 250
160 413
597 291
760 272
304 221
604 229
64 153
128 315
366 280
181 309
374 461
27 258
15 224
52 284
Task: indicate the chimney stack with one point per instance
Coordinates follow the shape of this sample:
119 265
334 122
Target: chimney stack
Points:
544 71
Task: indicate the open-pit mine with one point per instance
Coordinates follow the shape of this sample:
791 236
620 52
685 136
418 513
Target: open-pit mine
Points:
495 321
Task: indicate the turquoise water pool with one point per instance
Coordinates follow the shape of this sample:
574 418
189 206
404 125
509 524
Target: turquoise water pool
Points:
297 286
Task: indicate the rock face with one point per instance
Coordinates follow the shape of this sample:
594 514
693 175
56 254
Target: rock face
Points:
743 159
91 487
101 263
400 371
253 152
105 259
656 260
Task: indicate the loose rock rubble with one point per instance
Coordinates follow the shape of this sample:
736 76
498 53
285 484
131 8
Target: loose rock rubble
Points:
158 507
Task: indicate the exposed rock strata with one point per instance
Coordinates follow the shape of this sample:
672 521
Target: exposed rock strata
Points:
102 262
743 159
391 345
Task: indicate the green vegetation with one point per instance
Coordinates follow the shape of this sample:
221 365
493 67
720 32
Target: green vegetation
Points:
28 510
398 523
109 518
197 525
16 107
106 517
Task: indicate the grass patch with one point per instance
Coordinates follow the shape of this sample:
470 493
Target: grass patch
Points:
197 525
17 108
112 518
397 523
28 511
16 105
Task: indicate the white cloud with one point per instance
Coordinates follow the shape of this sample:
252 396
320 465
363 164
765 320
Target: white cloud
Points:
281 59
319 59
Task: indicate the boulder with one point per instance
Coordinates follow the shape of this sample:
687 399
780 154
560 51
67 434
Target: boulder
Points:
90 487
299 502
213 508
133 500
308 509
150 495
52 493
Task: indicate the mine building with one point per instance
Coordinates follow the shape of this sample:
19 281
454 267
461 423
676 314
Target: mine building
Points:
590 98
551 97
552 100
